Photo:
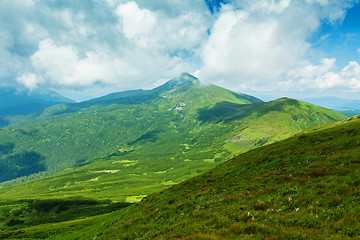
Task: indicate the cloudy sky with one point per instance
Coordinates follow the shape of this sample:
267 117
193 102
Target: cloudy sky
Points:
267 48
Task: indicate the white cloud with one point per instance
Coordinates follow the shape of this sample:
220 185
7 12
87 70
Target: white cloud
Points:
243 48
127 44
61 65
321 77
265 40
162 31
311 71
351 74
135 21
30 80
269 6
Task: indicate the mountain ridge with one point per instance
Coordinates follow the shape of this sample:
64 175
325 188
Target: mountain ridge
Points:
61 136
13 101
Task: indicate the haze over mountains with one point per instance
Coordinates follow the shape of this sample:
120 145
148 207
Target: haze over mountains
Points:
348 107
13 101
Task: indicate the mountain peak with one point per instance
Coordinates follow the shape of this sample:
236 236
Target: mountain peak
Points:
181 80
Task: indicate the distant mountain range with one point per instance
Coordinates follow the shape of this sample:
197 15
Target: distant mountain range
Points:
13 101
345 106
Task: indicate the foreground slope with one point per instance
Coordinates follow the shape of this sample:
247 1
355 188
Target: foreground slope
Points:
304 187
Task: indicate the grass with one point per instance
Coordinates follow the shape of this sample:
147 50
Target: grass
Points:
305 187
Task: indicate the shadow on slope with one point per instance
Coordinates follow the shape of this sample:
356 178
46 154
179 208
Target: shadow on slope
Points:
228 111
25 213
20 164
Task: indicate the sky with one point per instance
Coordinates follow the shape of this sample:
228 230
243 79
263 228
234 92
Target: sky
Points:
266 48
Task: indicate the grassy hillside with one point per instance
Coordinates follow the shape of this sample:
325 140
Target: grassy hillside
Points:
304 187
181 119
300 188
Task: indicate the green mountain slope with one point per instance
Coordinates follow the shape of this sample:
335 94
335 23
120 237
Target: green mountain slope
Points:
181 119
304 187
189 130
161 158
66 135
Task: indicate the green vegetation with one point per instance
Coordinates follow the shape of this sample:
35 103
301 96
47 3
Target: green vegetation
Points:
212 122
103 155
68 135
304 187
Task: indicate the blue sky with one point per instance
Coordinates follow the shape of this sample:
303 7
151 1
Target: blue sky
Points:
267 48
342 39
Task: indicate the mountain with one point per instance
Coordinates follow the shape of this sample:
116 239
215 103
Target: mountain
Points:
13 101
117 95
96 157
181 119
347 107
92 158
303 187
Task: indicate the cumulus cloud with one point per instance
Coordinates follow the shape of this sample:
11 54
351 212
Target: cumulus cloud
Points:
61 65
29 80
243 49
127 44
124 44
162 31
322 77
135 21
259 42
